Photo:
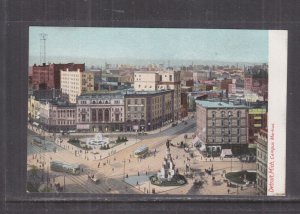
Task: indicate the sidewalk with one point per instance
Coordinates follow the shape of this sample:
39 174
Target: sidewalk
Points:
45 133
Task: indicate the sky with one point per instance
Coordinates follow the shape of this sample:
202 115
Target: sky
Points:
96 45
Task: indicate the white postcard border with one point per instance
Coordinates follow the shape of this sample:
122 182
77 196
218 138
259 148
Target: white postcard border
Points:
277 112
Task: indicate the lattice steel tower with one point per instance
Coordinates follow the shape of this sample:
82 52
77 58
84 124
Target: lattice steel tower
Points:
43 38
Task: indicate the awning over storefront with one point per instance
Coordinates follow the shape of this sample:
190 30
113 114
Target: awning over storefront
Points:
226 152
195 141
202 148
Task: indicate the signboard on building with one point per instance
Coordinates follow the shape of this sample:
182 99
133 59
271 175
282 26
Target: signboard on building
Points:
257 111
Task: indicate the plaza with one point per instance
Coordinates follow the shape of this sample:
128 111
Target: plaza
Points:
119 172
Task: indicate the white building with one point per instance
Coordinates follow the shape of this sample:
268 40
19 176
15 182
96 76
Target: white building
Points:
160 80
170 79
146 81
74 83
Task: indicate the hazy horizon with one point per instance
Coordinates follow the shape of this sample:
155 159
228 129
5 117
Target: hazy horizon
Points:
140 46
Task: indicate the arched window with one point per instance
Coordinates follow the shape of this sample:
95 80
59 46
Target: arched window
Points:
229 114
106 102
94 102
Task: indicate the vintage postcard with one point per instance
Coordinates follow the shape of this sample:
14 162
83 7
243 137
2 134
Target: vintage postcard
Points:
157 111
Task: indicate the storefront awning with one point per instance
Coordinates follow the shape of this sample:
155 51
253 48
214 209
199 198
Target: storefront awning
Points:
195 140
226 152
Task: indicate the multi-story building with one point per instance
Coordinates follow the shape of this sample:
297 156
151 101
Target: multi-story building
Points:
256 80
222 124
48 76
100 112
148 110
57 115
199 76
76 82
170 79
161 80
146 80
262 162
257 120
33 109
87 82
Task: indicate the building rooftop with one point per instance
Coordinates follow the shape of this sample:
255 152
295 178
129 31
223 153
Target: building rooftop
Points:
218 104
132 92
101 94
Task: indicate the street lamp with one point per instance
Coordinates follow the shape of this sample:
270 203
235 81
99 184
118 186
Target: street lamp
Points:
124 161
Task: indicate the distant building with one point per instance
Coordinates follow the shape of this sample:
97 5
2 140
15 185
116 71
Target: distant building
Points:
262 162
146 81
170 79
76 82
99 112
48 76
256 80
257 120
200 76
221 124
146 111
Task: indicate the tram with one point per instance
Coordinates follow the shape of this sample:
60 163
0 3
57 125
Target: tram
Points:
37 141
65 167
141 151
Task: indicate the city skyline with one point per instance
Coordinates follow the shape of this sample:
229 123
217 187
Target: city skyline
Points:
149 45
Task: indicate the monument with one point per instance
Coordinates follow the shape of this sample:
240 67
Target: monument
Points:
168 174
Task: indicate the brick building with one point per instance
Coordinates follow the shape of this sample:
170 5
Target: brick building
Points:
48 76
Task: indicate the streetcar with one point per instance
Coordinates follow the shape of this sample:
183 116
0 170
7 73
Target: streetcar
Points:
37 141
141 151
65 167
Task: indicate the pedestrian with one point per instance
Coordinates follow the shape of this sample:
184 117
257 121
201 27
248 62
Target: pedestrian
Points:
98 164
228 191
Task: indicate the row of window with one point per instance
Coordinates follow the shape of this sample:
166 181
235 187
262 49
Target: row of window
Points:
229 114
226 141
66 122
238 123
135 101
228 132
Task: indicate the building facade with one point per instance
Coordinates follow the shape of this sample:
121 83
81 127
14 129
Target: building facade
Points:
257 120
146 81
100 112
262 162
56 116
47 76
73 83
146 111
87 82
170 79
222 124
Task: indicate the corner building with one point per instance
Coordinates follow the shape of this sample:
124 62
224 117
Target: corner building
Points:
223 125
148 110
